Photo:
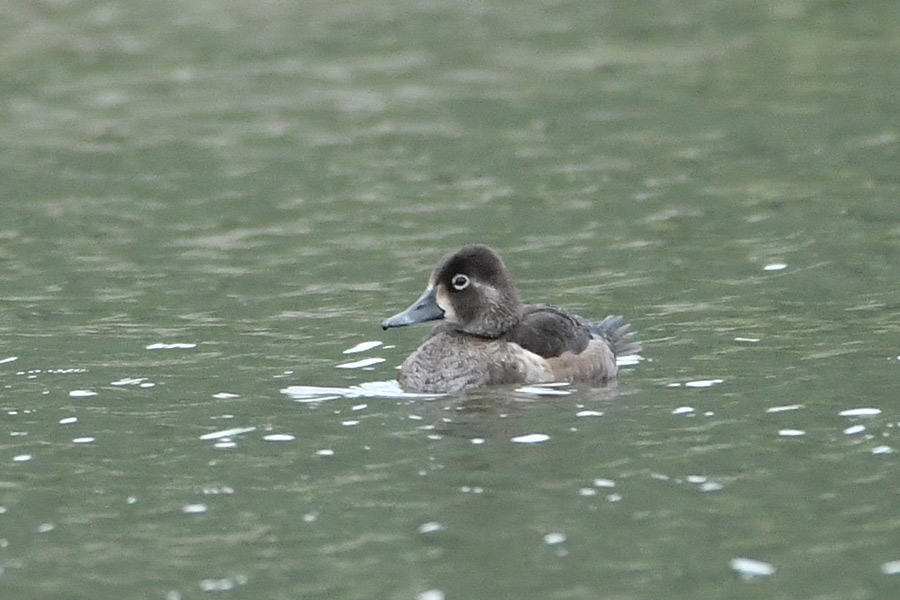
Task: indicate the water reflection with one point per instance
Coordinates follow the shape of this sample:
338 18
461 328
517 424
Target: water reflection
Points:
190 212
369 389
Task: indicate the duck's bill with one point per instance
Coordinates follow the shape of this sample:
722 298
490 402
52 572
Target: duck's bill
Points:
423 309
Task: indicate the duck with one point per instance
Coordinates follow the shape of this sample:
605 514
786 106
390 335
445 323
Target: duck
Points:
487 336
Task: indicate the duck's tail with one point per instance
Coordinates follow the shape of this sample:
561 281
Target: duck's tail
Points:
618 334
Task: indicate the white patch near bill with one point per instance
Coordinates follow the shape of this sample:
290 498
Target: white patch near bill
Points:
443 301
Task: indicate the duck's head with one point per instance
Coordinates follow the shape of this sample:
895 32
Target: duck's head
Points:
471 290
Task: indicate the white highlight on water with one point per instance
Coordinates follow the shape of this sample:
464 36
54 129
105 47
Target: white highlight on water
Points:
174 346
129 381
531 438
362 347
892 567
860 412
226 433
542 390
360 364
703 383
750 568
786 407
589 413
370 389
430 527
554 538
222 585
791 432
629 360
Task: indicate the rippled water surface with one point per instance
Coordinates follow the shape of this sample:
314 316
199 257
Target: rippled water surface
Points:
209 207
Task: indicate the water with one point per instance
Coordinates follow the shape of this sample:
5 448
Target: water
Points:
206 206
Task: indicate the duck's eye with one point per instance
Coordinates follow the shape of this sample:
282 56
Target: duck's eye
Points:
459 282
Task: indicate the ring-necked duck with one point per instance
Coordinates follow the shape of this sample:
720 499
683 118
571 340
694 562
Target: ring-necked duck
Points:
487 336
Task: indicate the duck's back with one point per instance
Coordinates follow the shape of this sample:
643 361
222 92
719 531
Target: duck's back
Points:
549 331
575 349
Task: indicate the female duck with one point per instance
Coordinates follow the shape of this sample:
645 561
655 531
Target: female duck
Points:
487 336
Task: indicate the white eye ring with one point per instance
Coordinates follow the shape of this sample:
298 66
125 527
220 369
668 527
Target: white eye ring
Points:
459 282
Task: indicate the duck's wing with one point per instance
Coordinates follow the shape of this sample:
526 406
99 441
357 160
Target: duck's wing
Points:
549 331
574 348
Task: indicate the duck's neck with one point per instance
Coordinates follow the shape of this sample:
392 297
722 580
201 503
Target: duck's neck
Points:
504 311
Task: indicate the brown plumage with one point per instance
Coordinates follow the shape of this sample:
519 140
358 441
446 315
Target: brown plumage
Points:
487 336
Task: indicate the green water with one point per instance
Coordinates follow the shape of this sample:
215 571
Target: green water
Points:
206 203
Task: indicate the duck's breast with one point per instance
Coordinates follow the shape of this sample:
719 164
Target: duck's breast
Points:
449 362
